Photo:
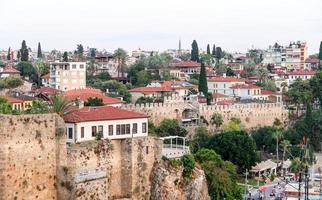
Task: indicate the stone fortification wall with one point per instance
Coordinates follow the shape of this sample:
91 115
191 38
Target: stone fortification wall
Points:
28 156
251 115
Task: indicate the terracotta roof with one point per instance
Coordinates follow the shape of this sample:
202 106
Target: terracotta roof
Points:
225 79
85 94
225 102
151 89
46 76
101 113
312 60
10 70
12 99
268 92
188 63
301 73
219 95
47 90
245 86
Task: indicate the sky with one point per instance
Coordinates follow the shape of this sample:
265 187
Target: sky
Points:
235 25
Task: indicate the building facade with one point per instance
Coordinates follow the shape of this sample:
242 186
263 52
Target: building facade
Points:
67 75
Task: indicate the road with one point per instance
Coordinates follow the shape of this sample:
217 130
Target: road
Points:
278 188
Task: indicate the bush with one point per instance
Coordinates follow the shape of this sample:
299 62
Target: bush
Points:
170 127
10 82
188 162
99 135
175 163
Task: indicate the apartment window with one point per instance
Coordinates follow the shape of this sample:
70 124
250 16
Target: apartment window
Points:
118 129
123 129
110 129
70 133
144 127
135 128
248 92
81 66
94 131
214 85
224 85
82 132
73 66
100 129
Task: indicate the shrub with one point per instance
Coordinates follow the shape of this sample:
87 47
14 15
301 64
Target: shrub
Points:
188 162
99 135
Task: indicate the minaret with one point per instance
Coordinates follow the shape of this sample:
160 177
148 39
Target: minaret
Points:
179 50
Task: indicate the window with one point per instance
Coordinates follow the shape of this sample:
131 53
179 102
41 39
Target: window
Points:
144 127
224 85
81 66
73 66
128 128
248 92
110 129
82 132
100 129
135 128
123 129
94 131
118 129
70 133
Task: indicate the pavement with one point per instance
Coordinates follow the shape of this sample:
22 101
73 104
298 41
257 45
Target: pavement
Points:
275 188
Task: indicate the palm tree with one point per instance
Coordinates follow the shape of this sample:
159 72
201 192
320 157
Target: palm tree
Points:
217 120
285 144
262 74
61 105
120 55
40 68
277 135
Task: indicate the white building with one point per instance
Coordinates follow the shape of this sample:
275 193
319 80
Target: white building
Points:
113 123
67 75
223 84
303 75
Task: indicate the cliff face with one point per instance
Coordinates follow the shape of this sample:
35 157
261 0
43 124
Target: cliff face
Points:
167 183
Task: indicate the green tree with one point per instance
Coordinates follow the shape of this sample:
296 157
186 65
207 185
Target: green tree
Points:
41 68
170 127
188 162
121 56
221 175
10 82
38 107
94 101
80 51
230 72
320 55
24 51
262 74
65 57
216 119
144 100
9 54
5 106
27 70
200 139
203 87
235 146
285 145
213 53
194 51
316 86
300 92
264 139
233 125
39 52
208 50
219 53
277 135
61 105
92 53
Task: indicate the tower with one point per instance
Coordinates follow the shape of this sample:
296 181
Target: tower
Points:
179 50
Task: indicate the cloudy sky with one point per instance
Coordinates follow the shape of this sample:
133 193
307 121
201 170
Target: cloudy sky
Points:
235 25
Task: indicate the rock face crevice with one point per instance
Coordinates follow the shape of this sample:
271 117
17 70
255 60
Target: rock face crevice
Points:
167 183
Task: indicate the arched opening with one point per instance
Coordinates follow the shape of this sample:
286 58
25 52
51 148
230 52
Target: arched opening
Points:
190 117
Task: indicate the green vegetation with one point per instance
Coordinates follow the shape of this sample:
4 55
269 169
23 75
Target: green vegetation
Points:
24 53
170 127
10 82
94 101
203 87
5 107
320 55
65 57
38 107
39 52
194 51
188 162
61 105
144 100
217 120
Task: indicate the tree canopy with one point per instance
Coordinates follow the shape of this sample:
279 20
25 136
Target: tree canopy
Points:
170 127
39 52
24 53
194 51
203 87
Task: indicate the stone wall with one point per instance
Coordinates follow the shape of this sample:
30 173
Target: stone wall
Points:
28 156
251 115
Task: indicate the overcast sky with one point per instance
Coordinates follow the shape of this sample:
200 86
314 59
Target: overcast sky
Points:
235 25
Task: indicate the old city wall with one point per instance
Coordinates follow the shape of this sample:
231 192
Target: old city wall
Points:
251 115
29 158
111 169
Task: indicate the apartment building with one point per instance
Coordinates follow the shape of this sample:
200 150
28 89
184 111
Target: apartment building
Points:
67 75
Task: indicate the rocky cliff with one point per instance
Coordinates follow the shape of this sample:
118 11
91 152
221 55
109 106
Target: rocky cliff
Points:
167 183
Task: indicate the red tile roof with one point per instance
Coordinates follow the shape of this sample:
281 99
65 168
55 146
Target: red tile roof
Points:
12 99
188 63
151 89
85 94
47 90
46 76
225 102
245 86
268 92
219 95
10 70
301 73
101 113
225 79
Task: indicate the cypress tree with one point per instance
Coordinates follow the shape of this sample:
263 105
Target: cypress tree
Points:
214 50
39 53
9 54
194 51
203 87
18 55
218 53
320 55
24 51
208 49
65 57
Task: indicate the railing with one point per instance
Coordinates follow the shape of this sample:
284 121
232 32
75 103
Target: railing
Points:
175 151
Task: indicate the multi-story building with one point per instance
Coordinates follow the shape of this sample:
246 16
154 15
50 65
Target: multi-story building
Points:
222 84
67 75
291 57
